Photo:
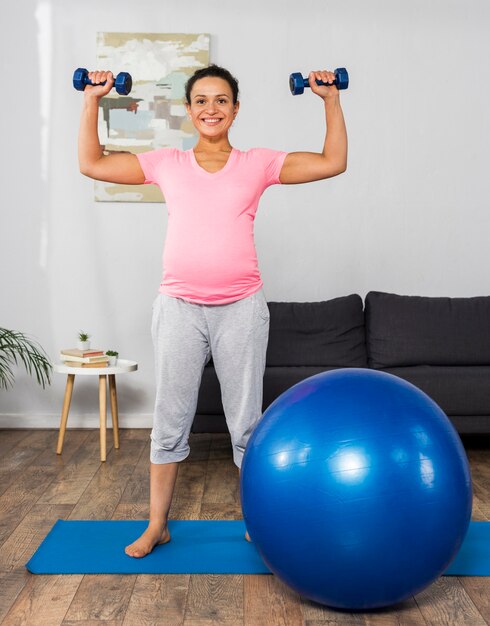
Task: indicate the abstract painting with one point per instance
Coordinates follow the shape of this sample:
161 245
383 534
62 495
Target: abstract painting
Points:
153 114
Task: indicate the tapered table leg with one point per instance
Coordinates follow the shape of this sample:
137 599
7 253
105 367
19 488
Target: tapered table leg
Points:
64 413
103 415
115 416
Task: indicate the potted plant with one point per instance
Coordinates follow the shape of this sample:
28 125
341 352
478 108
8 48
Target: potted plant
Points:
83 340
13 345
112 354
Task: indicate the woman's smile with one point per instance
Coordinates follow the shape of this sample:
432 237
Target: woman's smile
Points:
211 121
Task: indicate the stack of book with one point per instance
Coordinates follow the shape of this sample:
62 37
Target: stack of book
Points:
84 358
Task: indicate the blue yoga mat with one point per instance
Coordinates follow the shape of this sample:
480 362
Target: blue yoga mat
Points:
473 559
197 547
97 547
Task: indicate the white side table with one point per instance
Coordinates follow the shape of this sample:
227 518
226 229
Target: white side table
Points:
122 367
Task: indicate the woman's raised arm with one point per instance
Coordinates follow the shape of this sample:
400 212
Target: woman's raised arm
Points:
305 167
113 168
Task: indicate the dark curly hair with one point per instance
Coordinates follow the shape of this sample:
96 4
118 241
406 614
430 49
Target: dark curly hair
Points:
212 70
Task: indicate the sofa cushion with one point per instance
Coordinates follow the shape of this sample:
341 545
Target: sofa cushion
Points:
458 390
328 333
418 330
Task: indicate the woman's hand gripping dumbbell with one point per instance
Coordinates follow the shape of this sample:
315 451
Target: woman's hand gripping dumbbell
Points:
101 82
339 78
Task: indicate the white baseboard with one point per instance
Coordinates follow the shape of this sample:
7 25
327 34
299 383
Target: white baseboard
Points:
21 420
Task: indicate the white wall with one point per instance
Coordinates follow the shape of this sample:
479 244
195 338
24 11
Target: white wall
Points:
409 216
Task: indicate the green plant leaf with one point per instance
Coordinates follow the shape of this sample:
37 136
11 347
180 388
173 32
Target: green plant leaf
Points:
15 345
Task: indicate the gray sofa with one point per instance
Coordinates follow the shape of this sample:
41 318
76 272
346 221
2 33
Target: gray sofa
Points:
441 345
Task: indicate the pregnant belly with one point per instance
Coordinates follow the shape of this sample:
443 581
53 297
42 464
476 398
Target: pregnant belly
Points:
215 260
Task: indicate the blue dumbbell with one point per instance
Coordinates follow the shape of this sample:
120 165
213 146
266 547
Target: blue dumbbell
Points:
297 83
123 83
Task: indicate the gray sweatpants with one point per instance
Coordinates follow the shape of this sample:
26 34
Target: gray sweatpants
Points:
185 336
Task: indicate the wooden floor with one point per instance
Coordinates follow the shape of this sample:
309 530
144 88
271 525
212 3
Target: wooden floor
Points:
37 487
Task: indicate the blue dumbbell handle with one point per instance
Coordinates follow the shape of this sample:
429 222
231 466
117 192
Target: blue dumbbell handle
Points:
87 81
306 82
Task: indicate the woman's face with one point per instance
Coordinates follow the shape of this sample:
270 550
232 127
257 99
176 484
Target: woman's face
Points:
212 110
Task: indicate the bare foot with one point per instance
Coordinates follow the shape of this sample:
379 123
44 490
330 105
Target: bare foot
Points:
247 536
148 540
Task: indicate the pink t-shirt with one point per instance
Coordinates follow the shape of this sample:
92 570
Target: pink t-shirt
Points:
209 255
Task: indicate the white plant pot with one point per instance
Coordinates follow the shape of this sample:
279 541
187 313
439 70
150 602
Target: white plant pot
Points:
112 361
84 345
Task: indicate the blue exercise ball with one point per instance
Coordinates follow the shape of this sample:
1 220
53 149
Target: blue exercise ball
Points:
356 489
